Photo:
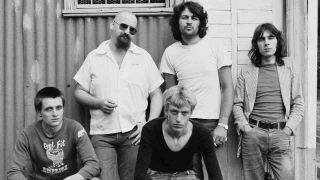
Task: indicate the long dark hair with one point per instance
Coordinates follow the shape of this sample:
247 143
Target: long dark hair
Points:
197 10
281 51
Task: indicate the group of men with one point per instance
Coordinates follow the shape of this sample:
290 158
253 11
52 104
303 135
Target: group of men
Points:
116 80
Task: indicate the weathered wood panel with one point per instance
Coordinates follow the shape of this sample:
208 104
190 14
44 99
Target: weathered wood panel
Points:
254 16
302 33
217 4
255 4
244 44
246 30
216 30
41 48
243 58
226 42
219 17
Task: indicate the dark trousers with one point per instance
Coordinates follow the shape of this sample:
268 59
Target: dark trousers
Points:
221 151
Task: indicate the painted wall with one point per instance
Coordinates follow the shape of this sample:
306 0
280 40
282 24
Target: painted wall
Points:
39 47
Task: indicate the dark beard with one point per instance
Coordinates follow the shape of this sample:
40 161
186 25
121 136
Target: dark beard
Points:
123 41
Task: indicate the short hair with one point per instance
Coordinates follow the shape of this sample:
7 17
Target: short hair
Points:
47 92
281 51
197 10
178 96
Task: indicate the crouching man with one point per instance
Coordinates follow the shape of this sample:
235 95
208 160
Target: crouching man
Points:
52 144
168 144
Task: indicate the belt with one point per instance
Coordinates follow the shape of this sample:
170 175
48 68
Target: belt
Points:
264 125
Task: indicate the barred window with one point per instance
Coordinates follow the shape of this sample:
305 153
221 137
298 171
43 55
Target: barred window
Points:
111 7
124 3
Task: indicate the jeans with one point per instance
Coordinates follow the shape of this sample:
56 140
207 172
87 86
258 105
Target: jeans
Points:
221 151
185 175
116 155
272 145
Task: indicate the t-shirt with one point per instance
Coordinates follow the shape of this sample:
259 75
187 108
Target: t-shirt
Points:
54 157
196 67
155 154
268 106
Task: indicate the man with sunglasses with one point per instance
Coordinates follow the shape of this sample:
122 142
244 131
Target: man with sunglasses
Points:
115 81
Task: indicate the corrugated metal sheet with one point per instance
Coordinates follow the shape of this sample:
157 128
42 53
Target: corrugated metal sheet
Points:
39 47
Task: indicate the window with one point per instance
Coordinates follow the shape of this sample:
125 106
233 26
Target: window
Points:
111 7
121 3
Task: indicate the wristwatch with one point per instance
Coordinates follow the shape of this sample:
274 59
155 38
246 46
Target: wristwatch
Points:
223 125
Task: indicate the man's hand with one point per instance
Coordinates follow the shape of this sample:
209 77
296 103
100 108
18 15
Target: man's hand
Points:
219 135
246 128
107 106
137 134
75 177
287 130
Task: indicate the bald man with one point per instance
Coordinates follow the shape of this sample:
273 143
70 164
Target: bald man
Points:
115 81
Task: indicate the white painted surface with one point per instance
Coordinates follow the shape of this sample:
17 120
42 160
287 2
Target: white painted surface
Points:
219 17
254 16
255 4
219 31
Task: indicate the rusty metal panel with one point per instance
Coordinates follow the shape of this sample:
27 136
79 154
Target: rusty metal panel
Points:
39 47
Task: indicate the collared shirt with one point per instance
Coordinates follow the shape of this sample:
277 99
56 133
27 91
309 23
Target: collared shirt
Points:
128 86
196 67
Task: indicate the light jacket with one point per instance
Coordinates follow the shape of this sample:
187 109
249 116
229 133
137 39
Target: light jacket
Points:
245 96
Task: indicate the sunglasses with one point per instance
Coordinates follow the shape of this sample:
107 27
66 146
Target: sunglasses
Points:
124 27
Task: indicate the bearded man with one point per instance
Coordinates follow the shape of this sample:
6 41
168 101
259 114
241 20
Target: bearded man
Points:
115 82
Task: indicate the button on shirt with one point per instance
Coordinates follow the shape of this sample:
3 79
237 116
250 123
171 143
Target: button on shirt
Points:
128 86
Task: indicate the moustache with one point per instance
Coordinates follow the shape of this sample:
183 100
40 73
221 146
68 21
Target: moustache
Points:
124 35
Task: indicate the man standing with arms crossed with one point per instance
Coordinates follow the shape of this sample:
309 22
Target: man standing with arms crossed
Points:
115 82
200 64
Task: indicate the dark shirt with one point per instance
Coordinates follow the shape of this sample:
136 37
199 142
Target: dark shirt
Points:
53 158
155 154
268 106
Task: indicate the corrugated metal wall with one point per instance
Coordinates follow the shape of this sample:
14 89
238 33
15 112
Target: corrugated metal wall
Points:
39 47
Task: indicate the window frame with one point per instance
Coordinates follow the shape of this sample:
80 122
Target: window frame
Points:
73 9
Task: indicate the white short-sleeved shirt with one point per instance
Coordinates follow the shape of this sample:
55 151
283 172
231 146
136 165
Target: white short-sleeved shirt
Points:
128 86
196 67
